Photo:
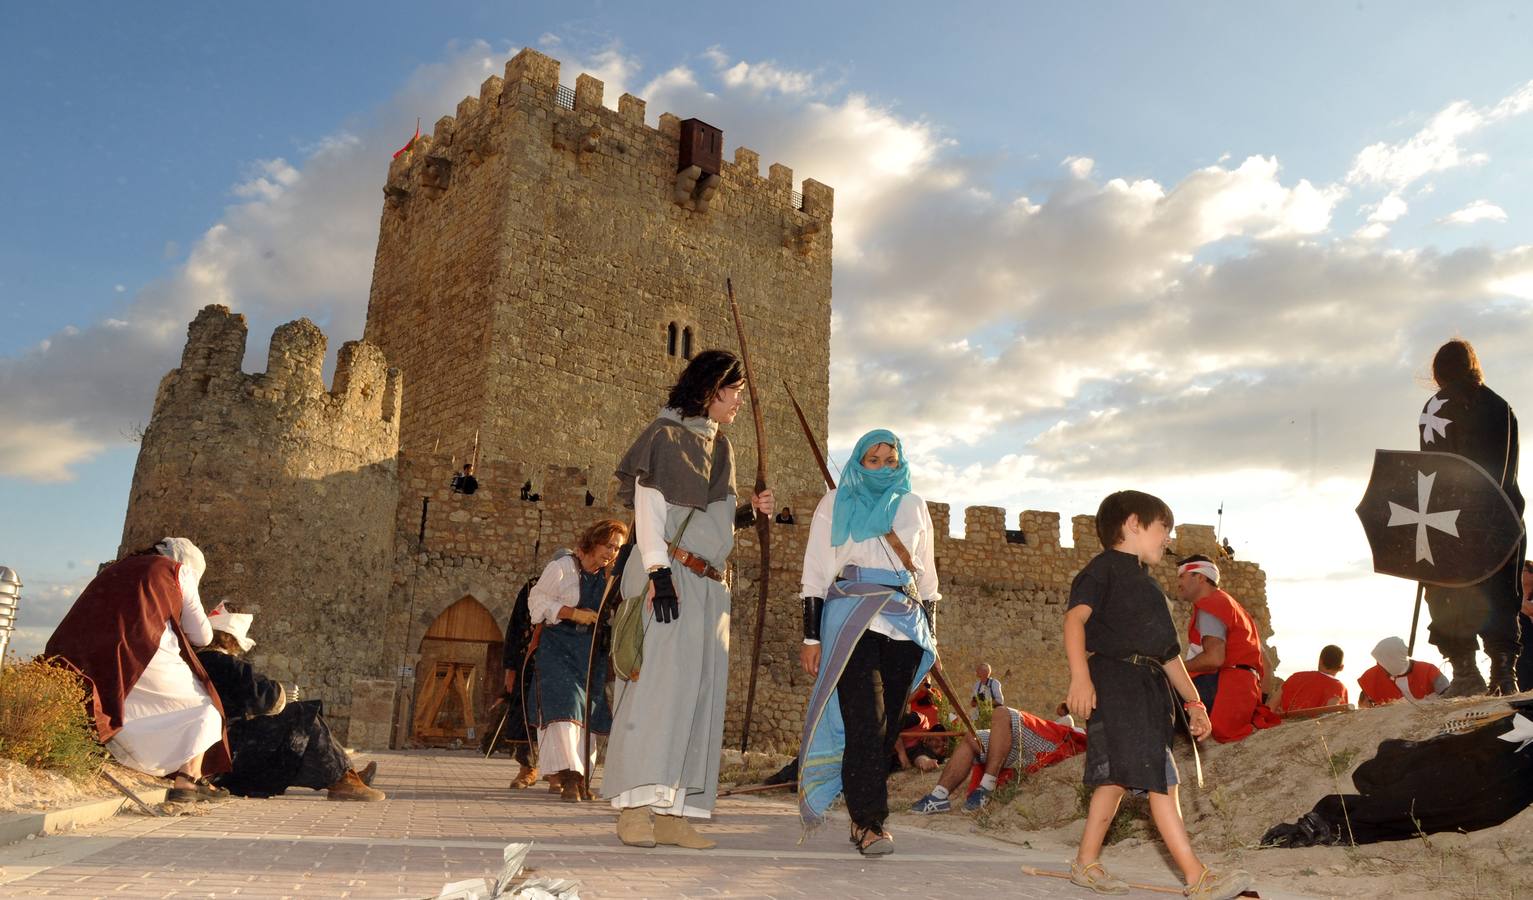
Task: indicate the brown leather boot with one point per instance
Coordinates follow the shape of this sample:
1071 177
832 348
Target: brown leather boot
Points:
350 787
678 832
634 827
526 777
553 782
571 786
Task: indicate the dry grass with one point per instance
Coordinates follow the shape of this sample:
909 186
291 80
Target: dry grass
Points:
43 723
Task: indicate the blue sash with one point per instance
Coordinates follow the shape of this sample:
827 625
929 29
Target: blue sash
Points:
851 603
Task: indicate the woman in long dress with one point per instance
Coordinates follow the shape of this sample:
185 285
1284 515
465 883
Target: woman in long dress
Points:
668 728
869 568
565 602
133 633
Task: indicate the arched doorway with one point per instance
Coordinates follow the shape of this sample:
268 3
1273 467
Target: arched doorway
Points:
459 674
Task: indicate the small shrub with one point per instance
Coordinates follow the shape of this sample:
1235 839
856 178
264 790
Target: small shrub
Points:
43 722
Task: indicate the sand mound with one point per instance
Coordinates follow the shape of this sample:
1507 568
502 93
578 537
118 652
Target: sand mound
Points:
1274 776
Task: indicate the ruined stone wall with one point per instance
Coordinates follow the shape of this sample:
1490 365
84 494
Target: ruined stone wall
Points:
289 489
532 256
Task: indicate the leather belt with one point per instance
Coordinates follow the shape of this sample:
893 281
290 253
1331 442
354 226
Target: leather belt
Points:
697 565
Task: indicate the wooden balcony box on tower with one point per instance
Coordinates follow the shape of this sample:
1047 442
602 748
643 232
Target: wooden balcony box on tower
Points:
702 145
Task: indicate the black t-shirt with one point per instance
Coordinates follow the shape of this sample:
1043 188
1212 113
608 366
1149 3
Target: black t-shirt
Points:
1129 612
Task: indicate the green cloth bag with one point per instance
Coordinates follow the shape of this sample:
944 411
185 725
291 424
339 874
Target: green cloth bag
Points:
628 624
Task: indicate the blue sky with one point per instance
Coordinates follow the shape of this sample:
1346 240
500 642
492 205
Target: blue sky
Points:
1122 135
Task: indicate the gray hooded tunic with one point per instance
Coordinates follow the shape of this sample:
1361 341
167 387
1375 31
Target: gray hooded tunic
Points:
668 726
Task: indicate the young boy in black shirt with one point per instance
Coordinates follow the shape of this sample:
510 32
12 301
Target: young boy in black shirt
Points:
1123 652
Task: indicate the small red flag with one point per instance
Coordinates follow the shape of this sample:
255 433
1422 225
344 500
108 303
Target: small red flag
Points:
410 143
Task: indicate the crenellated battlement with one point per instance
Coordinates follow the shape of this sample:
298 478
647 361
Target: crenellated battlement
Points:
530 95
366 392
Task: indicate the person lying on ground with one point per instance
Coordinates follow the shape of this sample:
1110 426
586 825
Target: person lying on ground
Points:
1030 744
1452 782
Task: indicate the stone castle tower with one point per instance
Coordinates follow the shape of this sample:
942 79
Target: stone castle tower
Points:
540 285
543 273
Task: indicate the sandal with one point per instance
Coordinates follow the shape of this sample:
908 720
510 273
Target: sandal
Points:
1221 885
882 843
1094 877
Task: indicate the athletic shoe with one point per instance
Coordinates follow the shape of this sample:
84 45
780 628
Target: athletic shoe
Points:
930 805
978 799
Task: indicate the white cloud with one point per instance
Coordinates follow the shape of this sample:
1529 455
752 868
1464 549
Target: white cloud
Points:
1478 211
1436 147
1380 216
297 240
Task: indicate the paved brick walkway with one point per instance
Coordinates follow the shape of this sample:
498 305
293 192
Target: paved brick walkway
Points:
448 817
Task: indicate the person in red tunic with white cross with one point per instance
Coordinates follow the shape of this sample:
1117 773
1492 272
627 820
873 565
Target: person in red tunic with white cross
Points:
1224 655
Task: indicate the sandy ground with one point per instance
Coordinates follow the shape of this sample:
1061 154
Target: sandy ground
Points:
26 790
1274 776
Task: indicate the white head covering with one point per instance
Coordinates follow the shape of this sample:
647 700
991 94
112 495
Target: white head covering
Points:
1202 567
236 624
186 553
1391 654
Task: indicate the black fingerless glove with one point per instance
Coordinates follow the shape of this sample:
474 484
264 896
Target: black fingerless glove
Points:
814 607
745 516
666 604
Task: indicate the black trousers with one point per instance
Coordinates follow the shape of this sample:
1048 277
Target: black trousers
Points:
1488 610
872 694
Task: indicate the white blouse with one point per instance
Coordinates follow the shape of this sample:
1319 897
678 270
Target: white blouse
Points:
913 524
557 587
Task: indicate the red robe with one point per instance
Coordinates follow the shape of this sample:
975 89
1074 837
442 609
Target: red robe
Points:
113 631
1312 690
1379 686
1238 708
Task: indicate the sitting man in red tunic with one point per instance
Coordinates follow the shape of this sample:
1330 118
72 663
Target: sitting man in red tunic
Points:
1396 673
1224 656
1315 690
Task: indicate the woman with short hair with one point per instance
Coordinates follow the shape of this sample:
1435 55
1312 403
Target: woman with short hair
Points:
565 603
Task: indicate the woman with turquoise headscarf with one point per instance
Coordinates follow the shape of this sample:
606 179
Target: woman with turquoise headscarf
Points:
869 569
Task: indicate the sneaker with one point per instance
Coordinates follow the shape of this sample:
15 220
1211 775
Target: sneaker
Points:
1095 878
930 806
979 798
1225 885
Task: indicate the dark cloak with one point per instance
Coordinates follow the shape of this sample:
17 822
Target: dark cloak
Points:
1453 782
292 748
1481 427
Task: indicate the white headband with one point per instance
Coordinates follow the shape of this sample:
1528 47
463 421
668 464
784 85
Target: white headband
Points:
1202 567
